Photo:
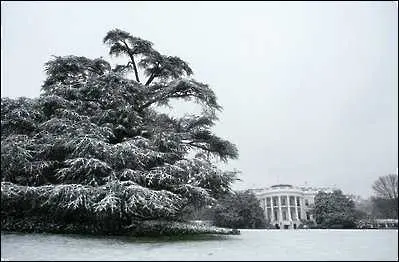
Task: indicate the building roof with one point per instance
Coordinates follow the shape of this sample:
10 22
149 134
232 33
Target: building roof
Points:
306 190
282 185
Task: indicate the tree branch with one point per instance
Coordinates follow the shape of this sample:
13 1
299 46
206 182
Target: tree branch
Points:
132 58
153 75
161 98
192 143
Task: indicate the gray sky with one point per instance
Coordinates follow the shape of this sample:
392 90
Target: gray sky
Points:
309 89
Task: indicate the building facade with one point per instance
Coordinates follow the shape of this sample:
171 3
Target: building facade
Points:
286 206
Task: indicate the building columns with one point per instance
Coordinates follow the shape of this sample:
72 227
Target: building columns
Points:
277 217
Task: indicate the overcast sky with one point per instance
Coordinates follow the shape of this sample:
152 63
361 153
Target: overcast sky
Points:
309 89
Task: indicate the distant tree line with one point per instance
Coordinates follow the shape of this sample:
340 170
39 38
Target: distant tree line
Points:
385 201
336 210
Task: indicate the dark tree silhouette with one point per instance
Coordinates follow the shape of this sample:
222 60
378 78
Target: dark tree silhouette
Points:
122 43
239 210
386 186
385 203
334 210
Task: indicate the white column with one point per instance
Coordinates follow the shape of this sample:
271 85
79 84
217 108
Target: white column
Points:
265 204
271 205
289 208
302 207
296 208
280 214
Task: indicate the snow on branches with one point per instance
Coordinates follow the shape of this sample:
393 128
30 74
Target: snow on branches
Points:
94 145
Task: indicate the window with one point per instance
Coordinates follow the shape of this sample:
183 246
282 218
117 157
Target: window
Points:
292 210
284 215
307 216
297 201
268 201
306 202
275 201
275 215
292 201
283 201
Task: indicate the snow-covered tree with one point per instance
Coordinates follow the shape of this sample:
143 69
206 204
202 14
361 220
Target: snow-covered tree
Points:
93 147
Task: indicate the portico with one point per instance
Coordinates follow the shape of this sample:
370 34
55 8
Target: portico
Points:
284 211
285 206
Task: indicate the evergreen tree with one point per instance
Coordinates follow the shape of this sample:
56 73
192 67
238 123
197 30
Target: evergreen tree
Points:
334 210
239 210
92 148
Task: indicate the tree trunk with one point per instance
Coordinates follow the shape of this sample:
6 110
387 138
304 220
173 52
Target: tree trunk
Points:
134 67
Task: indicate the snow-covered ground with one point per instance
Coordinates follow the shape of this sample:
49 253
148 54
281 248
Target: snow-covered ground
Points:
250 245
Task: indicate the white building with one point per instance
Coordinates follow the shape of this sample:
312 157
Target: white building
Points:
286 206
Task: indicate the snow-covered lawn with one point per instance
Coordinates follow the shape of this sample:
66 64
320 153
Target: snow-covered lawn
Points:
252 245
